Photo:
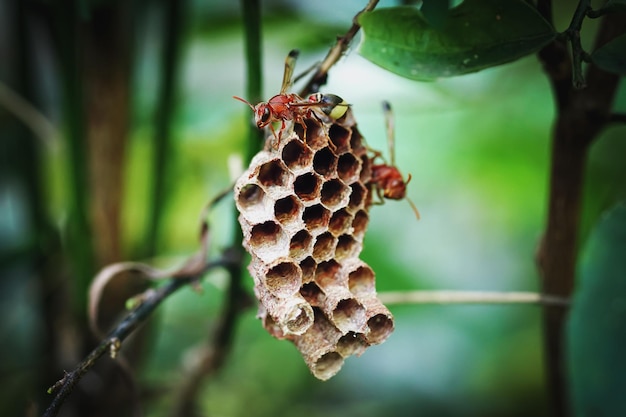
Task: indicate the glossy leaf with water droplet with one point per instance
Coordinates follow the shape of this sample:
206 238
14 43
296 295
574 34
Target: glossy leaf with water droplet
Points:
477 34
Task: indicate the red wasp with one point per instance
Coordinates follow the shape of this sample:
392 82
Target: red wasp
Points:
386 178
285 106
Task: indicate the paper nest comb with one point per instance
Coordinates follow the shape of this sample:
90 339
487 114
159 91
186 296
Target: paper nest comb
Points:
303 207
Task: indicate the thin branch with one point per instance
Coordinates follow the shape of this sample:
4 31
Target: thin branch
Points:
130 323
319 77
573 33
28 114
470 297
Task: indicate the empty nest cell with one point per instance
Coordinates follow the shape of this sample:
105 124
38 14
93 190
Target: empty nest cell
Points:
283 279
287 209
380 327
250 196
361 281
314 135
327 274
300 245
340 222
347 247
296 155
307 187
357 197
308 267
348 168
267 241
335 194
316 218
340 137
325 162
359 223
352 343
349 315
273 174
312 294
324 247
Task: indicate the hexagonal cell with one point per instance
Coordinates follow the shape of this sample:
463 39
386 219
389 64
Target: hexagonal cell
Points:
269 324
287 209
366 169
348 168
300 244
316 218
297 155
324 247
291 315
312 294
356 141
325 162
283 279
349 315
359 224
357 197
340 137
308 266
266 234
335 194
327 273
380 326
250 195
347 247
327 365
273 173
352 343
314 135
307 186
340 222
361 281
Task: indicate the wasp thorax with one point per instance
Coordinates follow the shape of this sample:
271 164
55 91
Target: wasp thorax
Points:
303 208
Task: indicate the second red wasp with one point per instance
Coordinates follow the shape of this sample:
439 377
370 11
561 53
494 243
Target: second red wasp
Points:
284 107
386 178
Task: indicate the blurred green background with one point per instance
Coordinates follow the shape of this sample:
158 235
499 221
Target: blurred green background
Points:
477 147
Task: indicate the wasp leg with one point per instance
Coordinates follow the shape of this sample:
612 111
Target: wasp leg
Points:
314 115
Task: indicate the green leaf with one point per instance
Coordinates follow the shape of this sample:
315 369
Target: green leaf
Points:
596 331
477 34
611 56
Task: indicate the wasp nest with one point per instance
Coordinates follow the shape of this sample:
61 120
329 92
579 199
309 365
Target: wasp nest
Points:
303 207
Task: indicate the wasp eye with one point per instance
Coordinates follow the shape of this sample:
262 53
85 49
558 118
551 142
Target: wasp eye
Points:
265 117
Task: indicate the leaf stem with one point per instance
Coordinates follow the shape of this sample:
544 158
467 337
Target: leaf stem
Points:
573 34
335 53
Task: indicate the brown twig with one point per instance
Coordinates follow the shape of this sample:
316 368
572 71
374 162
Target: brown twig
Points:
581 115
335 53
128 325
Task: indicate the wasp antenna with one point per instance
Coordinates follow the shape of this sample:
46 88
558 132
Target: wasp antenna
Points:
244 101
408 179
414 207
389 123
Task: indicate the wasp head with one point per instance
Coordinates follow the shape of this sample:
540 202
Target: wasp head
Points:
395 189
262 115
